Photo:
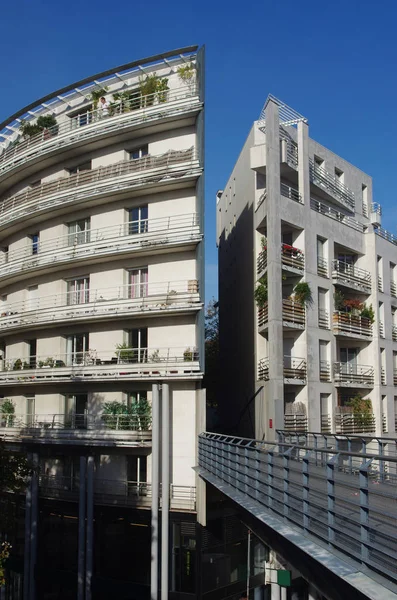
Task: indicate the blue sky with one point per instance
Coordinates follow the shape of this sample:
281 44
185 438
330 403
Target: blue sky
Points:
333 62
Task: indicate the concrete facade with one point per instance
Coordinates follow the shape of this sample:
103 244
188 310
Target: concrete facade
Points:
294 212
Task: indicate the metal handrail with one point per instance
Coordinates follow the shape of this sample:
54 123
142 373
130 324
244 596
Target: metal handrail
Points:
376 208
325 370
322 267
331 184
328 211
130 422
349 323
386 235
91 123
263 369
348 372
323 318
291 193
294 367
65 189
346 271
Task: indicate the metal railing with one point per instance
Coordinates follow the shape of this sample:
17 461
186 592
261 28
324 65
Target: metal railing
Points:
386 235
356 375
380 284
292 257
293 314
294 369
149 235
393 289
353 325
345 499
326 423
352 424
261 262
322 267
365 209
295 422
395 376
325 370
381 328
291 153
263 369
394 333
263 315
323 318
91 365
106 302
384 423
332 185
383 376
328 211
117 177
93 123
291 193
73 421
118 492
376 208
346 274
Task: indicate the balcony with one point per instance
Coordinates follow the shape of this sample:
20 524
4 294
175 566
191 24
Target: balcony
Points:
381 328
108 492
380 284
350 325
323 318
393 289
348 423
351 375
292 259
349 276
294 370
330 212
148 299
132 430
326 423
293 315
394 333
322 267
77 131
261 262
325 370
394 376
291 193
295 422
331 185
263 369
143 237
289 150
124 176
383 376
112 365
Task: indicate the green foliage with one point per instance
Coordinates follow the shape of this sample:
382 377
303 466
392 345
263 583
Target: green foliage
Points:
148 87
339 300
14 468
303 293
188 355
96 95
125 352
362 411
137 416
211 378
263 243
162 89
261 294
47 122
368 313
7 407
186 73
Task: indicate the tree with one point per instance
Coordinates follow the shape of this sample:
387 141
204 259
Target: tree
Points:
211 378
14 469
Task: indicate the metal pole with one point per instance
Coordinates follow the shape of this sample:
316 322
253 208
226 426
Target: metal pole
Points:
28 522
155 492
165 488
90 526
81 547
33 529
248 563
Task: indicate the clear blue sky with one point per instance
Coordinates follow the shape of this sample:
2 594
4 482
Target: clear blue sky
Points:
333 62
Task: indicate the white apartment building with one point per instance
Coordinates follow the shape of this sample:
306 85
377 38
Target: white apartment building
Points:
307 289
101 322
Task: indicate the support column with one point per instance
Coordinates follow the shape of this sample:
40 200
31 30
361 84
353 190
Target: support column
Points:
90 527
165 489
33 527
28 521
275 591
155 492
81 547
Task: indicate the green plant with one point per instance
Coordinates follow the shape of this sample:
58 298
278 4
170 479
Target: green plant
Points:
263 243
96 95
155 356
17 366
45 122
117 415
162 89
260 295
186 73
148 88
125 352
303 293
48 122
7 411
339 301
368 313
362 411
188 355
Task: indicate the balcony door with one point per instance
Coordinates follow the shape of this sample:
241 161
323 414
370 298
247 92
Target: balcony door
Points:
76 411
78 290
138 283
79 232
30 410
138 340
138 220
76 347
136 470
348 359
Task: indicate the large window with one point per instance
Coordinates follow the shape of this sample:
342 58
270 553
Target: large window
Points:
34 239
79 232
138 220
76 411
76 348
86 166
78 290
138 283
137 341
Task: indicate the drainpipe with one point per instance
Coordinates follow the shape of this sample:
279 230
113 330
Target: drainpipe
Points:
81 550
90 526
165 490
33 527
28 520
155 492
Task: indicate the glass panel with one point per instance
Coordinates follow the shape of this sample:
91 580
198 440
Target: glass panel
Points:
138 220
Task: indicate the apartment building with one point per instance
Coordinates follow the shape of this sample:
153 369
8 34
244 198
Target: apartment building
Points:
307 289
101 329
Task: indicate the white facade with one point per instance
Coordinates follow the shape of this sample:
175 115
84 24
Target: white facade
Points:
293 212
101 275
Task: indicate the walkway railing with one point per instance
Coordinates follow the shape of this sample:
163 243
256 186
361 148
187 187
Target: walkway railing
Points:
92 124
122 422
342 498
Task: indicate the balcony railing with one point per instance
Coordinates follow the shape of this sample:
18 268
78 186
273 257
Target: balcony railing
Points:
294 368
347 374
291 149
261 199
332 185
116 492
117 177
291 193
393 289
293 314
326 426
322 267
348 275
262 261
292 257
263 315
90 365
394 333
325 370
383 376
91 124
386 235
380 284
147 235
394 376
349 423
381 328
336 215
323 318
352 325
263 369
384 424
85 304
295 422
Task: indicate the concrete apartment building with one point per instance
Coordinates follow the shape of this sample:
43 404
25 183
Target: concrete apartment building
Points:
302 259
101 329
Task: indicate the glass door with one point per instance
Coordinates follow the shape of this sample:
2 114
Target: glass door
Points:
138 220
76 411
79 232
76 348
348 359
138 286
138 344
78 291
30 410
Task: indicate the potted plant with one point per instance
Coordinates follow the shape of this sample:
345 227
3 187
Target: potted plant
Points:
17 366
115 415
260 294
263 243
303 293
125 353
7 411
186 74
148 88
188 355
339 301
367 312
362 411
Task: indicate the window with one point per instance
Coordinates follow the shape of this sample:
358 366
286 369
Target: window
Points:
137 341
30 410
78 290
139 152
325 372
322 265
136 471
140 409
79 232
34 239
5 254
318 162
138 283
138 220
81 117
80 168
76 348
348 359
76 411
339 175
32 300
364 190
32 347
